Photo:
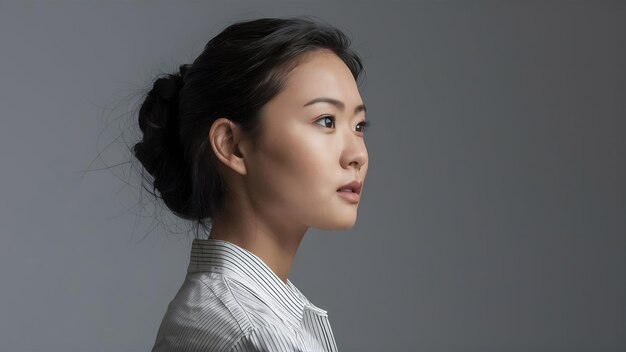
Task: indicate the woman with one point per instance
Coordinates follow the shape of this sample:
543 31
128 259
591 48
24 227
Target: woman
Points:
262 136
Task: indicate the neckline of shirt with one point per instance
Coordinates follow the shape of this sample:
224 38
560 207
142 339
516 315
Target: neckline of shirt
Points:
213 255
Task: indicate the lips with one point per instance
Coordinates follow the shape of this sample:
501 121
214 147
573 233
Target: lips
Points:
354 186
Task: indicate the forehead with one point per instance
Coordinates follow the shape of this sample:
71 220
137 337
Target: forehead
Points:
320 73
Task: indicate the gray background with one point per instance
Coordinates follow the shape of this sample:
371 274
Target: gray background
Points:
493 217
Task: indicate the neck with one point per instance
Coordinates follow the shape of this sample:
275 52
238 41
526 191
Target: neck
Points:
275 245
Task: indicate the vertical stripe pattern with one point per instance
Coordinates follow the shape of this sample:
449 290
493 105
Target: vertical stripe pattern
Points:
232 301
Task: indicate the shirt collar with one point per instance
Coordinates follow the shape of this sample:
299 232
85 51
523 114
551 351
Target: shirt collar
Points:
215 255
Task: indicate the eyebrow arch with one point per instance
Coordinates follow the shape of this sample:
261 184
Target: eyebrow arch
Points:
336 103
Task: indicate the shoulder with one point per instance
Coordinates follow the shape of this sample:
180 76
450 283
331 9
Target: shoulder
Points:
204 314
212 312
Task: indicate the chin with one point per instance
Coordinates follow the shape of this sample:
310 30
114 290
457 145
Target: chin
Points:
338 223
346 226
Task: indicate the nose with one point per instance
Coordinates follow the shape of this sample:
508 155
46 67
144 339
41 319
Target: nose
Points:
354 153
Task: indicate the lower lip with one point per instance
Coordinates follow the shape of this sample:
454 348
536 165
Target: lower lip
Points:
350 196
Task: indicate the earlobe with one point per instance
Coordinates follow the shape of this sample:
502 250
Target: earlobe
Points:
225 139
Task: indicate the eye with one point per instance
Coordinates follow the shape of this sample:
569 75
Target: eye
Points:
326 118
364 126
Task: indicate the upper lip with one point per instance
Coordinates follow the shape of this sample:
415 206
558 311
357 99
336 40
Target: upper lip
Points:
355 186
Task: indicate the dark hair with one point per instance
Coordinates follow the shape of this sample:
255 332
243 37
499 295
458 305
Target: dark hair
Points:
239 71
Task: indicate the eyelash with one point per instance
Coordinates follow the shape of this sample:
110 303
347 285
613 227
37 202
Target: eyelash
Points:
365 124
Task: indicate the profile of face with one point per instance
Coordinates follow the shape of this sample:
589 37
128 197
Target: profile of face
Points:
308 151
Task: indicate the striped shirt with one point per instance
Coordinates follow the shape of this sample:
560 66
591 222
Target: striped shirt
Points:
232 301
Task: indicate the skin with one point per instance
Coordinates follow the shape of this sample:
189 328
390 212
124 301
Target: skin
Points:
289 182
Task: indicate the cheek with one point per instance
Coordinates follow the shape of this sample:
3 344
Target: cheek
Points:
295 171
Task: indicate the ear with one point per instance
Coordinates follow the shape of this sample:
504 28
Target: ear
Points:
228 144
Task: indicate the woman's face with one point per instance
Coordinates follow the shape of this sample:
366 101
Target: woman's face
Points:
306 153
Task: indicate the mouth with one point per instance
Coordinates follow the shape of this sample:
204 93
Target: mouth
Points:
350 196
351 191
354 187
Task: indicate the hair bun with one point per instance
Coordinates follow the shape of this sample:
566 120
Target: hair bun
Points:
167 88
160 109
160 150
183 70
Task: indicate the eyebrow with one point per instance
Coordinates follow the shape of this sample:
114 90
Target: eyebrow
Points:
336 103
